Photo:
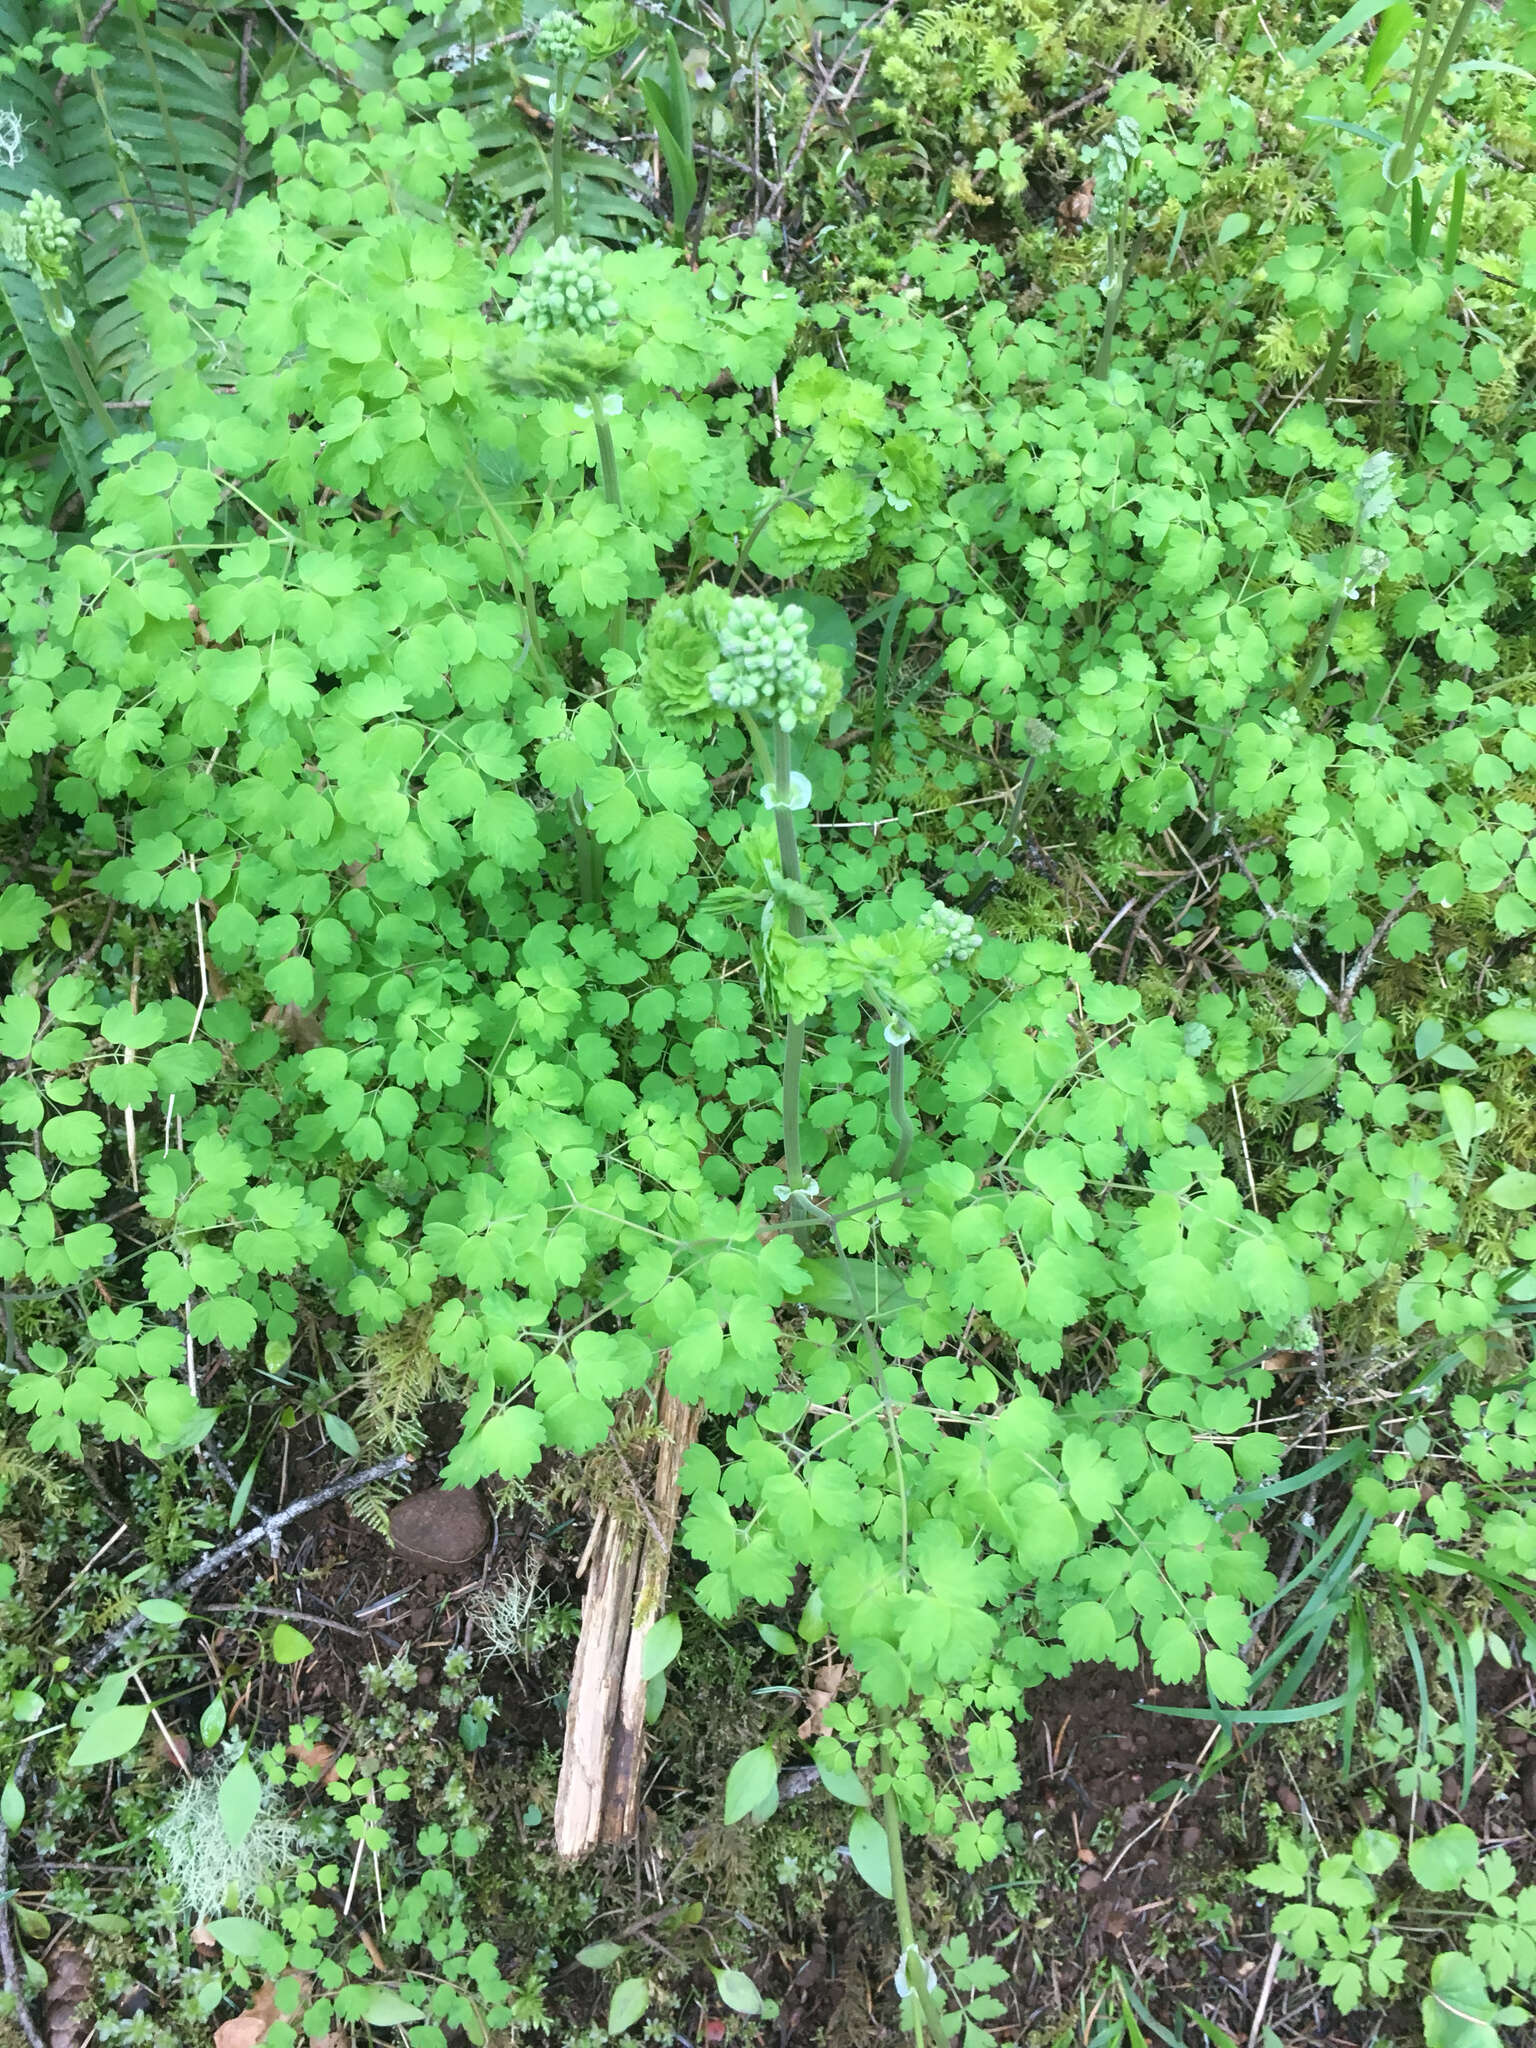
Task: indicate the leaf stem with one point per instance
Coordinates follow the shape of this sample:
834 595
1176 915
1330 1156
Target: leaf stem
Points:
794 1033
914 1963
901 1116
561 112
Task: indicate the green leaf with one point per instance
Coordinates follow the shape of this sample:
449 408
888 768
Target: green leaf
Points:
738 1991
108 1736
1510 1027
597 1955
290 1645
342 1435
663 1640
1513 1190
1347 25
1458 2013
1228 1677
384 2007
1443 1861
239 1801
167 1613
845 1785
630 1999
210 1728
244 1939
871 1853
1393 29
752 1780
13 1808
1375 1851
1460 1115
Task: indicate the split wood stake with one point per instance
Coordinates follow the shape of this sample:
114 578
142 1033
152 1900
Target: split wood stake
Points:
598 1799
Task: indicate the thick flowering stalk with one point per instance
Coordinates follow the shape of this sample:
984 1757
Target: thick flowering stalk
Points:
768 674
952 937
565 294
896 1037
560 42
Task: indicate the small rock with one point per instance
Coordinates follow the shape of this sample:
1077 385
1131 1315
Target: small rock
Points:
440 1530
1289 1799
1089 1880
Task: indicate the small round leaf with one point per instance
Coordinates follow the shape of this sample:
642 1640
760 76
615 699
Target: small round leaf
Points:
738 1991
628 2002
663 1640
871 1853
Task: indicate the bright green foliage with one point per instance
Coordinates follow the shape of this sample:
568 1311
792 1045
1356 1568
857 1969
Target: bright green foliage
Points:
1339 1924
387 674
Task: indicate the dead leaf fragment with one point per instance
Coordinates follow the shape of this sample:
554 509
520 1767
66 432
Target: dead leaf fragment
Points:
1076 210
318 1755
248 2027
67 2021
827 1683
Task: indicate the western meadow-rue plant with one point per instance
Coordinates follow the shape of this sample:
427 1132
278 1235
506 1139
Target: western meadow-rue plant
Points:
582 979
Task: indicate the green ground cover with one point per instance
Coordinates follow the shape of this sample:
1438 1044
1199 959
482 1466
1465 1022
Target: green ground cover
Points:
834 712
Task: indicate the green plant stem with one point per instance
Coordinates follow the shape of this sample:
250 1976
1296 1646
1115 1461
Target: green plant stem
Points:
562 116
608 469
1120 259
588 860
1014 820
794 1032
607 454
58 320
901 1116
1422 98
517 572
1319 666
1421 109
912 1956
882 685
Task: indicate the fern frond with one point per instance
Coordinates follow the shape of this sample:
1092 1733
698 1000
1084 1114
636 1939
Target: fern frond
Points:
21 1468
370 1505
138 150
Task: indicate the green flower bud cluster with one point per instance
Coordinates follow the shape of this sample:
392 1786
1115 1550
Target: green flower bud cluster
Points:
560 40
565 289
766 665
960 936
41 237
